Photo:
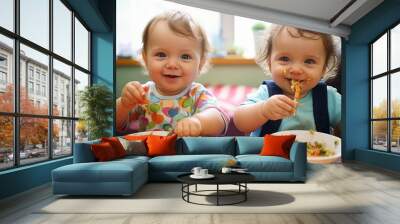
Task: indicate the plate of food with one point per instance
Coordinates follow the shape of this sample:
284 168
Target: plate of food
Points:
321 147
160 133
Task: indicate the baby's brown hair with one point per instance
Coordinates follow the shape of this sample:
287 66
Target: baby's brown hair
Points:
182 24
327 41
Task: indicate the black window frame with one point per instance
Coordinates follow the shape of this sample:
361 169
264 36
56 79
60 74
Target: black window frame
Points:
388 74
16 115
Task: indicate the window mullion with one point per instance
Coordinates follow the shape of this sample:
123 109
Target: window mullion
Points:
371 91
50 81
73 82
389 101
16 84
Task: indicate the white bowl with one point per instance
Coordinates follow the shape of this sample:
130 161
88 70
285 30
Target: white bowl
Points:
331 142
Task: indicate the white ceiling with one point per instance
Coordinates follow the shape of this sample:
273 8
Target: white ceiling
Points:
320 15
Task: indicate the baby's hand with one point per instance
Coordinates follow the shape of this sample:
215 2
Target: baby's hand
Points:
190 126
279 107
133 93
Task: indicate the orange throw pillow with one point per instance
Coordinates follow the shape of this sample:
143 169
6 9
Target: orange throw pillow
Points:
277 145
161 145
136 137
103 151
116 145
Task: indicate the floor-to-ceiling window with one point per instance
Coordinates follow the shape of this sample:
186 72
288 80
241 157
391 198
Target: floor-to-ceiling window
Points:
385 91
44 64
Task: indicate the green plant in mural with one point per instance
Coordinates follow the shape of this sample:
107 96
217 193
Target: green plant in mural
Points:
258 26
96 102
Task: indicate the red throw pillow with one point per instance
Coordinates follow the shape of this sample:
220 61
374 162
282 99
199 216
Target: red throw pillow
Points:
103 151
116 145
277 145
161 145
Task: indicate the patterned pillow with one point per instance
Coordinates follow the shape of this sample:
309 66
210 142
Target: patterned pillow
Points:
134 147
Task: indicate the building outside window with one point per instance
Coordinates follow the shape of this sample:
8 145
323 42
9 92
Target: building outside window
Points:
43 90
37 75
3 72
30 72
3 79
30 87
3 61
44 78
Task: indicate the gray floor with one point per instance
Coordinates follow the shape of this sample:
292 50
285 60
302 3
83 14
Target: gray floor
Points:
378 188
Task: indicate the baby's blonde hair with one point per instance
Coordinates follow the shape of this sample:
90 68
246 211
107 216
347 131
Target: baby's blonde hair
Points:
331 62
183 24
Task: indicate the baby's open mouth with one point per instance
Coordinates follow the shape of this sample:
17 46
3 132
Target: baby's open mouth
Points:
171 76
295 80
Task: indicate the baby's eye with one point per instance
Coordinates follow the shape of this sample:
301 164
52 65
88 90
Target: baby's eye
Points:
284 58
160 55
310 61
186 57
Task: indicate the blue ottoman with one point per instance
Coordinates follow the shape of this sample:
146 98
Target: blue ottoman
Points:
118 177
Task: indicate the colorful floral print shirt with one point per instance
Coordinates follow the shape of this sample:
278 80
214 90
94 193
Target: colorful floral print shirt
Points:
163 112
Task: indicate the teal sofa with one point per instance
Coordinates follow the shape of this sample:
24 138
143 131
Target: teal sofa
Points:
125 176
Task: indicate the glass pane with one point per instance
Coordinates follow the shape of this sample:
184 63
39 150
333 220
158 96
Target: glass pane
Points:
62 89
379 97
34 97
81 81
62 141
379 135
81 131
33 139
6 142
395 47
379 55
6 74
395 94
62 29
7 14
81 45
395 136
35 21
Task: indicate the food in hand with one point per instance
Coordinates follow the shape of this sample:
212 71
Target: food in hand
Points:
296 88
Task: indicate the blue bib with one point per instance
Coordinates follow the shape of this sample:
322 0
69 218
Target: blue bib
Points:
320 108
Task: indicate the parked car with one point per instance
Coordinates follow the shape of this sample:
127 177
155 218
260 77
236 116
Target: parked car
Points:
22 155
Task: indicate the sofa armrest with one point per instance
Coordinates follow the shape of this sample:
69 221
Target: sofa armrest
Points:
83 152
298 155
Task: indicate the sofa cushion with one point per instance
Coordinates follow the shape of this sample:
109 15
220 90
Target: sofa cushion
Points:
277 145
83 152
257 163
185 163
112 171
249 145
116 145
161 145
103 152
134 147
118 177
207 145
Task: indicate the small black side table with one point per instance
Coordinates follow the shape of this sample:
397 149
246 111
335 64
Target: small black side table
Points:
239 179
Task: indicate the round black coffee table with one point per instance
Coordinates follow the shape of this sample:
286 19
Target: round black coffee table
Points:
238 179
